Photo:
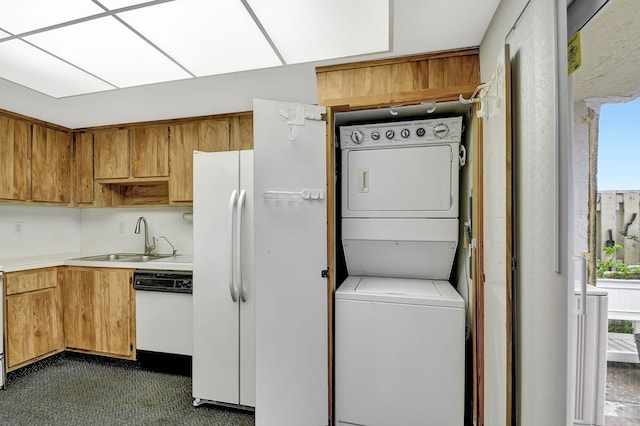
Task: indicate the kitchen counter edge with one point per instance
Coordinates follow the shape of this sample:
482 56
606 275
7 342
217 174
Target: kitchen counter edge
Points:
177 263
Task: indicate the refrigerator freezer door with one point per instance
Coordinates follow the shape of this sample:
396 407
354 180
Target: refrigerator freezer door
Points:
216 318
290 253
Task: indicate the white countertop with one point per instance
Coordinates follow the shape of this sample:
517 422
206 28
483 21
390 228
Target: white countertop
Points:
179 262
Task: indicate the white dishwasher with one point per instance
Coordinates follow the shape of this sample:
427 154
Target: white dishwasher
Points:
164 311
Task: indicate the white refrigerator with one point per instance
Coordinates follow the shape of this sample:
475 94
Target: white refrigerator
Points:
223 279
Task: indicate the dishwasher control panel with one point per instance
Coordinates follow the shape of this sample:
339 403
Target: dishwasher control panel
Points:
167 281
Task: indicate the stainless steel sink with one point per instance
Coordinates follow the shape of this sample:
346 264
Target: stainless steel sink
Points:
123 257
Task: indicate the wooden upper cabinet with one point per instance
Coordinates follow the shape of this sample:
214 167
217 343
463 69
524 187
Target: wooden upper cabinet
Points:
183 141
15 159
111 154
50 165
83 168
242 132
440 76
149 151
215 135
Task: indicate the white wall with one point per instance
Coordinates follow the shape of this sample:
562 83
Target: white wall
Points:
111 229
45 230
540 122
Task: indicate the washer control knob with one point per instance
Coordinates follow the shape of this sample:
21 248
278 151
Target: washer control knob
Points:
420 131
390 134
357 137
405 133
440 130
375 135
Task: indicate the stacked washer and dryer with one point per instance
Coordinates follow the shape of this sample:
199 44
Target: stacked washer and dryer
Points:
399 324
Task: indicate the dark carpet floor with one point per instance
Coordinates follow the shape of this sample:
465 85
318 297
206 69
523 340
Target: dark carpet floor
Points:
74 389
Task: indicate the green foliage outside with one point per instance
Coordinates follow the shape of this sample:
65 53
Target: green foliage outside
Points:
620 326
609 267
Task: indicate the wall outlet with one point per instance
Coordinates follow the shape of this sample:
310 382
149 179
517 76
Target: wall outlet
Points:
18 228
121 227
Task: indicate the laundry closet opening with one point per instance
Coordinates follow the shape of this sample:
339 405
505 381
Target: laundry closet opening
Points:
402 206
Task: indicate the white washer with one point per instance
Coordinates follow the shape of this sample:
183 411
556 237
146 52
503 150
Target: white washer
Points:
399 352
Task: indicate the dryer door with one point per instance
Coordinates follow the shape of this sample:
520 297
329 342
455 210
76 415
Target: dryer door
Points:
417 181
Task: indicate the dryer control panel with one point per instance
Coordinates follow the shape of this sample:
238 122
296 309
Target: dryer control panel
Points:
409 133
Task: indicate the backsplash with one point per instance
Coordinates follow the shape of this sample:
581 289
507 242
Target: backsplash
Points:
111 229
35 231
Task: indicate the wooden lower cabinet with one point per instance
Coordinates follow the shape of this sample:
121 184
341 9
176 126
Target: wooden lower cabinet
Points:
99 311
33 316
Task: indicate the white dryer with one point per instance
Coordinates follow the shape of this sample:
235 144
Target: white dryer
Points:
400 184
399 352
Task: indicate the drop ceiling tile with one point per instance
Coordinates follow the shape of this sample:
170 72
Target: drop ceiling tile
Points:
19 16
109 50
33 68
313 31
207 37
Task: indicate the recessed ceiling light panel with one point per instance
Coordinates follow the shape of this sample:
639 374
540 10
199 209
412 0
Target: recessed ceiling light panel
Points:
305 31
117 4
108 49
33 68
207 37
26 15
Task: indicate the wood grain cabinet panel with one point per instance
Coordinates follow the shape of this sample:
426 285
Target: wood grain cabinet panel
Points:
242 132
111 154
99 311
50 165
215 135
15 159
440 76
183 141
83 168
33 317
149 151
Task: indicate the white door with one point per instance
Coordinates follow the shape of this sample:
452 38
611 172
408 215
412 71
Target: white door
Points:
216 351
290 254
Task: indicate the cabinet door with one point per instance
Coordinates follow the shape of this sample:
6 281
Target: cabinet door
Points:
215 135
83 180
149 151
184 140
33 316
242 133
15 161
99 311
111 150
50 165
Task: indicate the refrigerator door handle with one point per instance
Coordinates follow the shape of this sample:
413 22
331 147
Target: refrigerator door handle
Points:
232 287
242 295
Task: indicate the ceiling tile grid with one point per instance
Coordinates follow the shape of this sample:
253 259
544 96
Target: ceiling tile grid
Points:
76 47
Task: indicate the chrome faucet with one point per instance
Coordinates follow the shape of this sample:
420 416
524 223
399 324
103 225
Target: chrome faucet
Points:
148 248
174 251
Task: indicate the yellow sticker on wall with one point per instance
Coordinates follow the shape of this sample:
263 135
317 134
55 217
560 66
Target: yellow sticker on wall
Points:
573 52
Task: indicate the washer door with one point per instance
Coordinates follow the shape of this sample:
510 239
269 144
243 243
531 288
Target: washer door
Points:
401 182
